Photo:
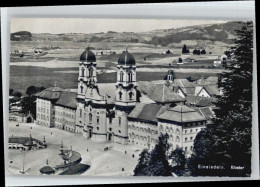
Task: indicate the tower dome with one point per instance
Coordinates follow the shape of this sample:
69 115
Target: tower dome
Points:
126 58
88 56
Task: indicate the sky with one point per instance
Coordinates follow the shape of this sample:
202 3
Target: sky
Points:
96 25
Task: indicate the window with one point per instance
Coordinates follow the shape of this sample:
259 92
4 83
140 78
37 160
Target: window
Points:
121 75
191 148
90 117
130 77
131 95
110 120
119 121
177 131
185 132
80 112
120 95
90 72
171 137
97 128
186 139
191 138
82 72
97 120
185 148
81 89
119 131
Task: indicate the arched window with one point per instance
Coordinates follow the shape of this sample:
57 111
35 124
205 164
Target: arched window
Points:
130 77
80 112
121 76
90 72
82 72
90 117
120 95
81 89
119 121
97 120
131 95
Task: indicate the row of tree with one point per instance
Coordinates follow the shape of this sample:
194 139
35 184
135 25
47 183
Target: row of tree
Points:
185 50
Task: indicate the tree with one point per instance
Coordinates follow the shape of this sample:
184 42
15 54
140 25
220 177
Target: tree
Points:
159 165
203 52
195 51
228 141
142 168
178 160
185 49
156 162
17 94
11 91
28 102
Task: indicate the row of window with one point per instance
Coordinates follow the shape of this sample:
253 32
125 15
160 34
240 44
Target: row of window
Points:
190 139
146 130
186 148
43 110
191 131
90 70
42 117
169 129
194 124
65 114
130 94
142 138
121 76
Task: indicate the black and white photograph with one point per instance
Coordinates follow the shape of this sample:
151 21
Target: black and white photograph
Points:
130 97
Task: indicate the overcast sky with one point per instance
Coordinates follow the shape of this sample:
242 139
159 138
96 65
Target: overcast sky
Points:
78 25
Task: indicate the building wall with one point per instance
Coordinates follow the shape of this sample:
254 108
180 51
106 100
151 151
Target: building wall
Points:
174 131
190 131
203 93
120 127
45 112
65 118
142 134
180 93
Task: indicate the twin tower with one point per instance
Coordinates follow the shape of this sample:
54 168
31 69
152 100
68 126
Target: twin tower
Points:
97 117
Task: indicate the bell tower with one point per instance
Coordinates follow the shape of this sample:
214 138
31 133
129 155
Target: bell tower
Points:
86 79
125 95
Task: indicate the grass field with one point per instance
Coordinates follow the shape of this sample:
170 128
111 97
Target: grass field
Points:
21 77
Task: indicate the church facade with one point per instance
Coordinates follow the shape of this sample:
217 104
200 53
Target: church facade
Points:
130 115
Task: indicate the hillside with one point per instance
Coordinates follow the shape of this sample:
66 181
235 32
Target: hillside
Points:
164 37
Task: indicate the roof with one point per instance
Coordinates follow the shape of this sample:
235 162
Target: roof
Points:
207 112
67 99
147 112
47 170
20 140
207 81
200 101
51 93
212 89
88 56
109 91
158 92
186 86
182 114
126 58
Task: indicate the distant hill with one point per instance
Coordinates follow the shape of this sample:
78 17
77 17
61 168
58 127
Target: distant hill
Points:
224 33
21 36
